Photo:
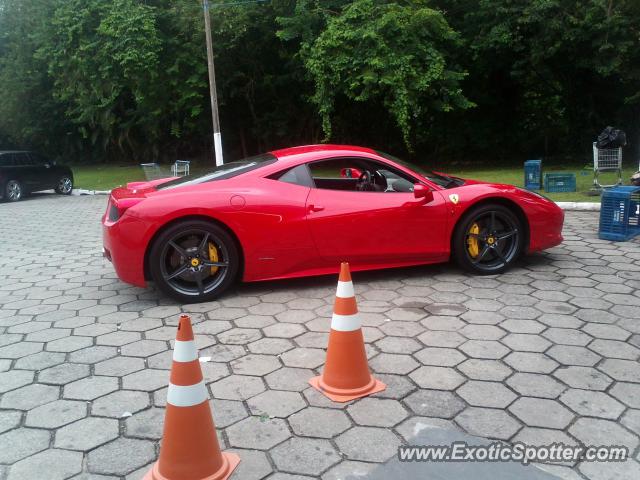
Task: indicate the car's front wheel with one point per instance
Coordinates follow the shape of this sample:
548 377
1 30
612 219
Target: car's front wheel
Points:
64 185
488 239
194 261
13 191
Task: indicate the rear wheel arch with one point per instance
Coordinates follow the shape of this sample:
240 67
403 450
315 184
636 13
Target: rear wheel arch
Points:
186 218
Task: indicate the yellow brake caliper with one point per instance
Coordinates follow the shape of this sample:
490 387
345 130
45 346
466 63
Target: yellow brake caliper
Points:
472 241
213 257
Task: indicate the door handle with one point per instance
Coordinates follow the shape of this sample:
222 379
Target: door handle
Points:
315 208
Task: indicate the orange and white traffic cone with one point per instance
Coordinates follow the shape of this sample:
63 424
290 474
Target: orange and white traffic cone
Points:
190 449
346 374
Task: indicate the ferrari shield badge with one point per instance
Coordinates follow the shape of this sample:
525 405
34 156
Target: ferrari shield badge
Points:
454 198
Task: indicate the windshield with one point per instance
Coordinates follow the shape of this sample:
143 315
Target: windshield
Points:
227 170
437 178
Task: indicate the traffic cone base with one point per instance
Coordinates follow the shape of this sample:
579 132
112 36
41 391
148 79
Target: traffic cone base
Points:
347 394
229 463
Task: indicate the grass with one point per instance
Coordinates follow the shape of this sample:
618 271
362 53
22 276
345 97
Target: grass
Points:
515 176
106 177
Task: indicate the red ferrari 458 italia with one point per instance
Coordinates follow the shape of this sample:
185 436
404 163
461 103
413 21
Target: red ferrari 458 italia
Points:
293 213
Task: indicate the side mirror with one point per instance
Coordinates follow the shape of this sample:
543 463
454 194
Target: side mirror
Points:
422 191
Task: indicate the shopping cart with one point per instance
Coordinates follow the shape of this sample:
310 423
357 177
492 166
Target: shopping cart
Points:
606 160
180 168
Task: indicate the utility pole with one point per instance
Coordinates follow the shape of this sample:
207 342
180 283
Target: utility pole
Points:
217 136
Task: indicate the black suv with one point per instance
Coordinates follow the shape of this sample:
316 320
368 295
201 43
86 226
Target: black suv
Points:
25 172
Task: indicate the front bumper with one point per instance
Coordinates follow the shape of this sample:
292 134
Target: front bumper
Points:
546 228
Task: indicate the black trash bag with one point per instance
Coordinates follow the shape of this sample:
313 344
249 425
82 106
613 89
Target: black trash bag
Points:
611 138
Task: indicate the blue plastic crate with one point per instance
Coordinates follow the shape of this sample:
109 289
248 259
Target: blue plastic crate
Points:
532 174
620 213
559 182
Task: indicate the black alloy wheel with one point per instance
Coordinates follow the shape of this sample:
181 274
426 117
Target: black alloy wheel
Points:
488 239
194 261
64 185
13 191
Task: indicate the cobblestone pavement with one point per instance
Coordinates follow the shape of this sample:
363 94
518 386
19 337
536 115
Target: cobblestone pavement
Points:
548 352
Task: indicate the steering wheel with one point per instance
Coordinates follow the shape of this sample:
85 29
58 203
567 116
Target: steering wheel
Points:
365 183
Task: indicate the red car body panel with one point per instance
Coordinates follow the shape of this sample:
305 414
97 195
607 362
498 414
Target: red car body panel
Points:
286 230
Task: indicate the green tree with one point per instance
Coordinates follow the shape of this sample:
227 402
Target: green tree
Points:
263 95
102 56
388 53
29 116
125 79
547 75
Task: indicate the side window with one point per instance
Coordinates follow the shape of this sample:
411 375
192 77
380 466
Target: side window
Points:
359 174
397 181
37 159
22 159
336 168
8 160
298 176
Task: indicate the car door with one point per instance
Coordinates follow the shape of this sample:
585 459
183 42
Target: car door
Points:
276 226
24 171
29 174
43 171
369 227
7 171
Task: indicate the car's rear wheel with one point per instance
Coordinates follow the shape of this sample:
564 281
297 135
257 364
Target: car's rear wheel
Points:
488 239
13 191
194 261
64 185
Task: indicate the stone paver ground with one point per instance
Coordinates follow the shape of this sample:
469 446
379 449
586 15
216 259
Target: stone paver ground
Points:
547 352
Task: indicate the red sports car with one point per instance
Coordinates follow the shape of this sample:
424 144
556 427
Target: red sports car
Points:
290 213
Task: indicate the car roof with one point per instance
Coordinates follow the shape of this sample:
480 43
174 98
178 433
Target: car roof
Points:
287 152
291 157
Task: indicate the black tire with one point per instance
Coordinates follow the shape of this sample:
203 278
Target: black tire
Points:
498 234
64 185
14 191
174 250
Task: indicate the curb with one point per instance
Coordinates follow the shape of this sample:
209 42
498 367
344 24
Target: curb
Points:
579 206
81 191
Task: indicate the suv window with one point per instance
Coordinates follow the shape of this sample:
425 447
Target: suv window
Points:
37 159
5 160
21 159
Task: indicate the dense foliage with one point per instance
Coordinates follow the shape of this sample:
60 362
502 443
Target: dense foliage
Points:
470 80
